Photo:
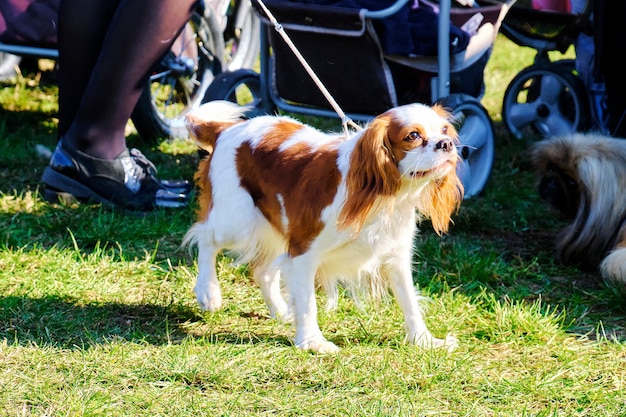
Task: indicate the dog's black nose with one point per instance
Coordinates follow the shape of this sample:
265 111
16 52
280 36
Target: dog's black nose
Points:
445 145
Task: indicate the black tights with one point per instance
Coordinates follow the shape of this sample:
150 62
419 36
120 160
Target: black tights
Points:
106 50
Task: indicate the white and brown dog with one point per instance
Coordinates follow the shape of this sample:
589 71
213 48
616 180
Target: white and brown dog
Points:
315 209
584 177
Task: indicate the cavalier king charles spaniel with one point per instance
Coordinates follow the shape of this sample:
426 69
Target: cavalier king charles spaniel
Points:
583 176
308 209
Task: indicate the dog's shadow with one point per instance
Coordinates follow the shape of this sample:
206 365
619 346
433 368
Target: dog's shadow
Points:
62 323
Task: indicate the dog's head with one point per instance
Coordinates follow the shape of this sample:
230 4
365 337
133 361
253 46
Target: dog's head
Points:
556 168
411 147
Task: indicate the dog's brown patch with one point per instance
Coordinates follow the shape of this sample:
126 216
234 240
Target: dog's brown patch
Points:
205 191
290 186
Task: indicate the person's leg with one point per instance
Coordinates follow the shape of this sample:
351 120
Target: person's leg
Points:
81 31
107 49
103 68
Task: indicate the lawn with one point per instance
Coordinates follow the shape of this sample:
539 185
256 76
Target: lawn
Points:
98 317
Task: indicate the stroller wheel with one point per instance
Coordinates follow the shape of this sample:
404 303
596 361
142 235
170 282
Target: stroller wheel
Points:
548 99
178 81
477 147
242 87
241 35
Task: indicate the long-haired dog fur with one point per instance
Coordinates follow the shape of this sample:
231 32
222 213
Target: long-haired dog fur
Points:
306 208
584 177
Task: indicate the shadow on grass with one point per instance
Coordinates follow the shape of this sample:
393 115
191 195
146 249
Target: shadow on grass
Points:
87 228
63 324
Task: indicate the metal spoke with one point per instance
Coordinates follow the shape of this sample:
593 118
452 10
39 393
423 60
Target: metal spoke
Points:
551 88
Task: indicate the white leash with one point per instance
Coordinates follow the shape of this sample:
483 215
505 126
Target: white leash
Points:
345 120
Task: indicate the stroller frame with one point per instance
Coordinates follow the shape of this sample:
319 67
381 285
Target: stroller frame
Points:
440 84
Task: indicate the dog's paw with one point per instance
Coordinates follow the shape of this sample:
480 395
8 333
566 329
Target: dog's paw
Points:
613 269
281 313
209 300
283 317
318 345
427 341
450 343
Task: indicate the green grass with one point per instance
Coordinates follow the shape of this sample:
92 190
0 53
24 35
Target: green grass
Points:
98 318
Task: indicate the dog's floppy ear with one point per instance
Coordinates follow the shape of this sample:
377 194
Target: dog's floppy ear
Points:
440 199
557 176
443 197
372 174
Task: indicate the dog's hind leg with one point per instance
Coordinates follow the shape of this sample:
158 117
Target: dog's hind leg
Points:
405 293
268 279
207 289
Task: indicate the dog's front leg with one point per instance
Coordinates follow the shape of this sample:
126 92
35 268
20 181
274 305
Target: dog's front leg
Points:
399 273
299 274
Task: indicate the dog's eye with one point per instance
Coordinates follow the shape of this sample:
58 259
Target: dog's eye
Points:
412 137
444 130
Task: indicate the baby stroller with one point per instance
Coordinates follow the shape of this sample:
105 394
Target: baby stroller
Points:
553 97
349 51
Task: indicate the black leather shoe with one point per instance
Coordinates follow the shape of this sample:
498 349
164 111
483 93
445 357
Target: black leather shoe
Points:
127 181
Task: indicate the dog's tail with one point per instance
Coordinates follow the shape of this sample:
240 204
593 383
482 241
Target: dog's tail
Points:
208 121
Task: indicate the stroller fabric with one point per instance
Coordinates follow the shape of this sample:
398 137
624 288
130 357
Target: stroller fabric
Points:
28 21
410 31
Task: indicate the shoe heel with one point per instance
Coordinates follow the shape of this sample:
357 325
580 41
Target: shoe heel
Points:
56 197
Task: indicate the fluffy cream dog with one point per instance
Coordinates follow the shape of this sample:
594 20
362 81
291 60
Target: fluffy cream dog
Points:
584 177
